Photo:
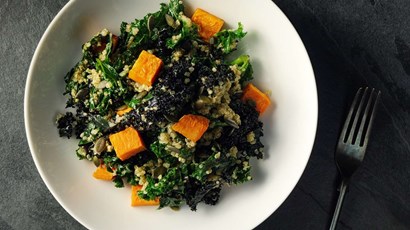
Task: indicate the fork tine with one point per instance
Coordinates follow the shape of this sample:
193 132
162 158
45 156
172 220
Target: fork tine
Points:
372 115
349 115
356 117
361 132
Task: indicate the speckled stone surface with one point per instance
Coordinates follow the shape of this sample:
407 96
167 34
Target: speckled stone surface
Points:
350 43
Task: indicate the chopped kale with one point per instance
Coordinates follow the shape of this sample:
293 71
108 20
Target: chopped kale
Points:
249 123
184 32
158 149
227 40
244 66
195 79
65 125
197 192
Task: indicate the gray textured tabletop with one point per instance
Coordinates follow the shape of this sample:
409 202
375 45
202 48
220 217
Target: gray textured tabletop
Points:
350 43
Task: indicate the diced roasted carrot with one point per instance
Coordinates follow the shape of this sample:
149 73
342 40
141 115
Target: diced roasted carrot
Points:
208 23
137 201
101 173
123 111
262 101
145 69
127 143
191 126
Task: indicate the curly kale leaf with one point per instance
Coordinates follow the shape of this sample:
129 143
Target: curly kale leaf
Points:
158 149
114 90
108 72
175 8
219 164
186 31
123 170
173 178
171 200
138 35
227 40
66 124
135 101
249 124
244 66
196 192
201 169
97 123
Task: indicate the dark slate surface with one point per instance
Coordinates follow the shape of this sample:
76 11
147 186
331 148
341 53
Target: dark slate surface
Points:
350 43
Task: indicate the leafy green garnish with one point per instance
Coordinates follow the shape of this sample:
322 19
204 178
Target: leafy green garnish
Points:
241 174
217 123
95 127
103 104
172 180
175 8
158 149
227 40
139 35
244 66
100 122
201 169
170 201
187 29
108 72
185 153
134 102
123 170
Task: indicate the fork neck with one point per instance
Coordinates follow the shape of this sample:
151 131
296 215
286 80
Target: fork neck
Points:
342 192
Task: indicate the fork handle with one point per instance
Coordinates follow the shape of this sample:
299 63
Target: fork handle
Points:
342 192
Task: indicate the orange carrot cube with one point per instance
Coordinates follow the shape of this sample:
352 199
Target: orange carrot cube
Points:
145 69
208 23
262 101
137 201
127 143
123 111
191 126
101 173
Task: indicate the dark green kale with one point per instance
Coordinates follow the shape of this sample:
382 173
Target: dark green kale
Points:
227 40
124 170
139 35
211 197
175 8
176 187
173 200
244 66
184 29
172 181
192 69
96 126
158 149
210 76
137 100
249 123
65 124
196 192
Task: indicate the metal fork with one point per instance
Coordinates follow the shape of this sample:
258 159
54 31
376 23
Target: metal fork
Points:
353 140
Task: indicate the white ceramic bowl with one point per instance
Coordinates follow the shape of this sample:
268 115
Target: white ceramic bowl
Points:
281 65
